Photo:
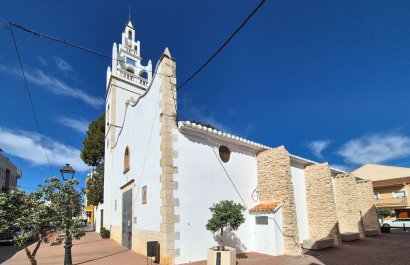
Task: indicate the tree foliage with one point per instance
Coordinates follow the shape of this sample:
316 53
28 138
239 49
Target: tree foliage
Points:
93 155
41 214
384 212
95 186
93 144
225 215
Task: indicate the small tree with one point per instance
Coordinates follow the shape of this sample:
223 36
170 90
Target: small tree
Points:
225 215
41 213
93 155
384 212
95 187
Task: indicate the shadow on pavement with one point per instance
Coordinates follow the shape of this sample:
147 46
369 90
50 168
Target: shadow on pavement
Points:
7 250
86 261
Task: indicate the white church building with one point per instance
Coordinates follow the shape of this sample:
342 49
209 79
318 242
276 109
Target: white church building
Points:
162 175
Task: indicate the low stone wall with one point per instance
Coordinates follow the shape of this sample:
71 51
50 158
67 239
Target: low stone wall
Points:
116 234
141 237
321 208
366 204
275 184
347 204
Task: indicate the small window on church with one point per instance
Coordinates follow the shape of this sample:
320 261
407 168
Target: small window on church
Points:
129 70
126 160
224 153
130 35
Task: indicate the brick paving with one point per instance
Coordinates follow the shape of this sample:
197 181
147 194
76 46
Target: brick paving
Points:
387 249
89 250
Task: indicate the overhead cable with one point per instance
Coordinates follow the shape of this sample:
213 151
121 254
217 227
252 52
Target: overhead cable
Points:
31 101
76 46
223 45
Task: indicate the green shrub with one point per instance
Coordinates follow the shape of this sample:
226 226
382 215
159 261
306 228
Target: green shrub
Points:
104 233
385 212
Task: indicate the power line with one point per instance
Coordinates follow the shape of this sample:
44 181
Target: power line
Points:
76 46
31 100
223 45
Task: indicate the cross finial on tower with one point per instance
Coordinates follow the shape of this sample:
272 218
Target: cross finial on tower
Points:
129 13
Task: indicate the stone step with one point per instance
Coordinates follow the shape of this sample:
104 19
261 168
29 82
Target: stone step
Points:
350 236
372 232
317 244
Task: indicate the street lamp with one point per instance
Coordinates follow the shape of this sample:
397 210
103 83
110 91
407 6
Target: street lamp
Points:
67 169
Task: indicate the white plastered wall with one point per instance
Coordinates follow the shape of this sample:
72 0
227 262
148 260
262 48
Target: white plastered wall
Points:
141 133
202 181
298 181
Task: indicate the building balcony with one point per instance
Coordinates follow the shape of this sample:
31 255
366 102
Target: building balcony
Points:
391 202
138 80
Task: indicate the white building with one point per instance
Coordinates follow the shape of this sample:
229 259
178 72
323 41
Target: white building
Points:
9 174
161 176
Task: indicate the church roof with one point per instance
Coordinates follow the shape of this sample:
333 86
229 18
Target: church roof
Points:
200 130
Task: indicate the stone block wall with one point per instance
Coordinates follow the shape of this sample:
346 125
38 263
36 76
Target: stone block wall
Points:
116 234
367 208
275 184
140 239
168 107
347 204
321 208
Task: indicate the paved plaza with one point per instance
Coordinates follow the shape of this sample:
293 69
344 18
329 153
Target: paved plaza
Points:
387 249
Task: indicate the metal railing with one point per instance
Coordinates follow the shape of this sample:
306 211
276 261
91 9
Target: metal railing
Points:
391 201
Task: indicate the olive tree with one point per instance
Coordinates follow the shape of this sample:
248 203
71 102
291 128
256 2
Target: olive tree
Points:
225 215
41 214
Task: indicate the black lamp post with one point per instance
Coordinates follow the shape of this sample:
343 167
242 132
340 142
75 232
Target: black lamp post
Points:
67 169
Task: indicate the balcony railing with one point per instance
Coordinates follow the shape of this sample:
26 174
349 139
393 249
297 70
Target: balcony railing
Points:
133 78
391 202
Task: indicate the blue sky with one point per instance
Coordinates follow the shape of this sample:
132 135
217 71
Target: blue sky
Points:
327 79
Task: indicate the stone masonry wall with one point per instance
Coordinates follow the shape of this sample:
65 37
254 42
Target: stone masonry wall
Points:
347 204
321 208
141 237
368 210
168 251
275 184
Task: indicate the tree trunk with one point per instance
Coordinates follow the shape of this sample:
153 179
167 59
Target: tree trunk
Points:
221 245
32 259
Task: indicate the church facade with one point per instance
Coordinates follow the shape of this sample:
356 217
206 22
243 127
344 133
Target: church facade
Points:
162 175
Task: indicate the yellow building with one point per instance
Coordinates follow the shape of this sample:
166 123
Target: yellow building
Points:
391 186
88 209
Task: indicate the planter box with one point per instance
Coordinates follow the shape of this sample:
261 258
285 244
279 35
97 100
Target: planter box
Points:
228 256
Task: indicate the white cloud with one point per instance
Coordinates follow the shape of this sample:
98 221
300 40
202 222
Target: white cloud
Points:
62 64
375 148
78 125
55 85
28 146
317 147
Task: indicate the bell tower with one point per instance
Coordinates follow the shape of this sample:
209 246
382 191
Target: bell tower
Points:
127 80
126 63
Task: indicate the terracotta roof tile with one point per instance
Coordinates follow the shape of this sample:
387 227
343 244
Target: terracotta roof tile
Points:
391 182
265 207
